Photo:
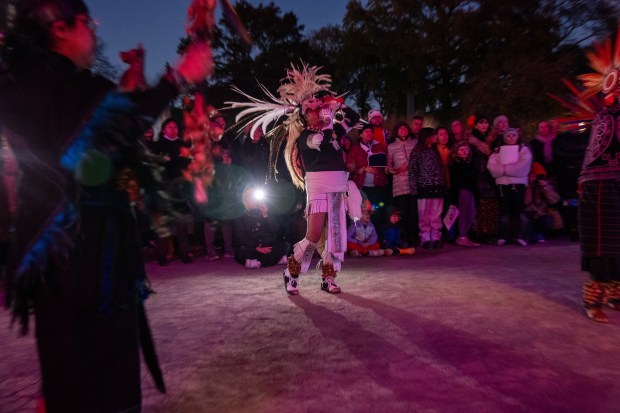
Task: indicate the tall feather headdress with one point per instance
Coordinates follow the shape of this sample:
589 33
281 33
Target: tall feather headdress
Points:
600 88
298 90
605 60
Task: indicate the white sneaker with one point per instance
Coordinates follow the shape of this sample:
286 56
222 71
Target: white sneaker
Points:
354 253
521 242
329 284
501 242
291 284
252 264
375 253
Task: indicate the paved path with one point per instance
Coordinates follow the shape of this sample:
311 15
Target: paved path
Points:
494 329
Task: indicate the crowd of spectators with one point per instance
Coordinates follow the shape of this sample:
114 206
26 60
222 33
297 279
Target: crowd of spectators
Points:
502 187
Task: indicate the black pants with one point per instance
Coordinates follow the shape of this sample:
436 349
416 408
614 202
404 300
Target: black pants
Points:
278 250
513 222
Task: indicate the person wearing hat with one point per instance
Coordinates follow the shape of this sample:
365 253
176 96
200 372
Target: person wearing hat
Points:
381 135
77 259
510 166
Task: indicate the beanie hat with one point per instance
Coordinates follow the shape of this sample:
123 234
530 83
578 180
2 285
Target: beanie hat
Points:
512 131
373 113
498 119
366 126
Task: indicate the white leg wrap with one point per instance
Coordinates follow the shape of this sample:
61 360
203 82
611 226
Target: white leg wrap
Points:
303 252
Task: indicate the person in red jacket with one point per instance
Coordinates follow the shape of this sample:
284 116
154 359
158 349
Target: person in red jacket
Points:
366 162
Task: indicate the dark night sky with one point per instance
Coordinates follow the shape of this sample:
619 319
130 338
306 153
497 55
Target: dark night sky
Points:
158 24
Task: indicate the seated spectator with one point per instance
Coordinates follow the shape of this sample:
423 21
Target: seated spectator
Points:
362 238
258 236
540 199
393 235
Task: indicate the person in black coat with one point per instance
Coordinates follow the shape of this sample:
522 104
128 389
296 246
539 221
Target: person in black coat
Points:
76 259
258 235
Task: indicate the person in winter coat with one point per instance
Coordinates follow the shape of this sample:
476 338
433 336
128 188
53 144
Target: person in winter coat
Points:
510 165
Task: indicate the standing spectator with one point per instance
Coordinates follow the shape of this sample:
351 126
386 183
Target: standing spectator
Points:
500 126
346 144
175 152
542 147
416 124
457 130
486 225
427 181
77 258
366 162
399 153
258 236
379 134
224 201
253 156
444 148
510 165
463 188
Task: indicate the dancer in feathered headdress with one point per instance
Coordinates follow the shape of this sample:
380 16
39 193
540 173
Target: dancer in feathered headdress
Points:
315 160
599 202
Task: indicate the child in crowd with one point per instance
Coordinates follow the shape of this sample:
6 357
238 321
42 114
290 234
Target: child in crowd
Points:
427 181
362 238
540 199
462 190
393 235
510 165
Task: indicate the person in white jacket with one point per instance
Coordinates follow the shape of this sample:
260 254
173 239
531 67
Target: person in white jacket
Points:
510 165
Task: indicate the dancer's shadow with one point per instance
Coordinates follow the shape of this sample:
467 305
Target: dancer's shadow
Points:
408 377
531 381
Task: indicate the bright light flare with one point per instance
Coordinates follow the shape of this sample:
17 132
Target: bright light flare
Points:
259 195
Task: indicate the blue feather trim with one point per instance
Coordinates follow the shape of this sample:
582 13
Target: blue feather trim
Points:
114 103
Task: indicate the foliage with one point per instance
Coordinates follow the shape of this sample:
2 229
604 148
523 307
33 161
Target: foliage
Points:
450 58
278 41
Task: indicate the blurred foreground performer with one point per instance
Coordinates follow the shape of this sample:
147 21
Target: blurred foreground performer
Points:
77 257
315 161
599 203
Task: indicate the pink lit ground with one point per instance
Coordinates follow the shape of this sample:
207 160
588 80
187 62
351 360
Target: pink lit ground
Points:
458 330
